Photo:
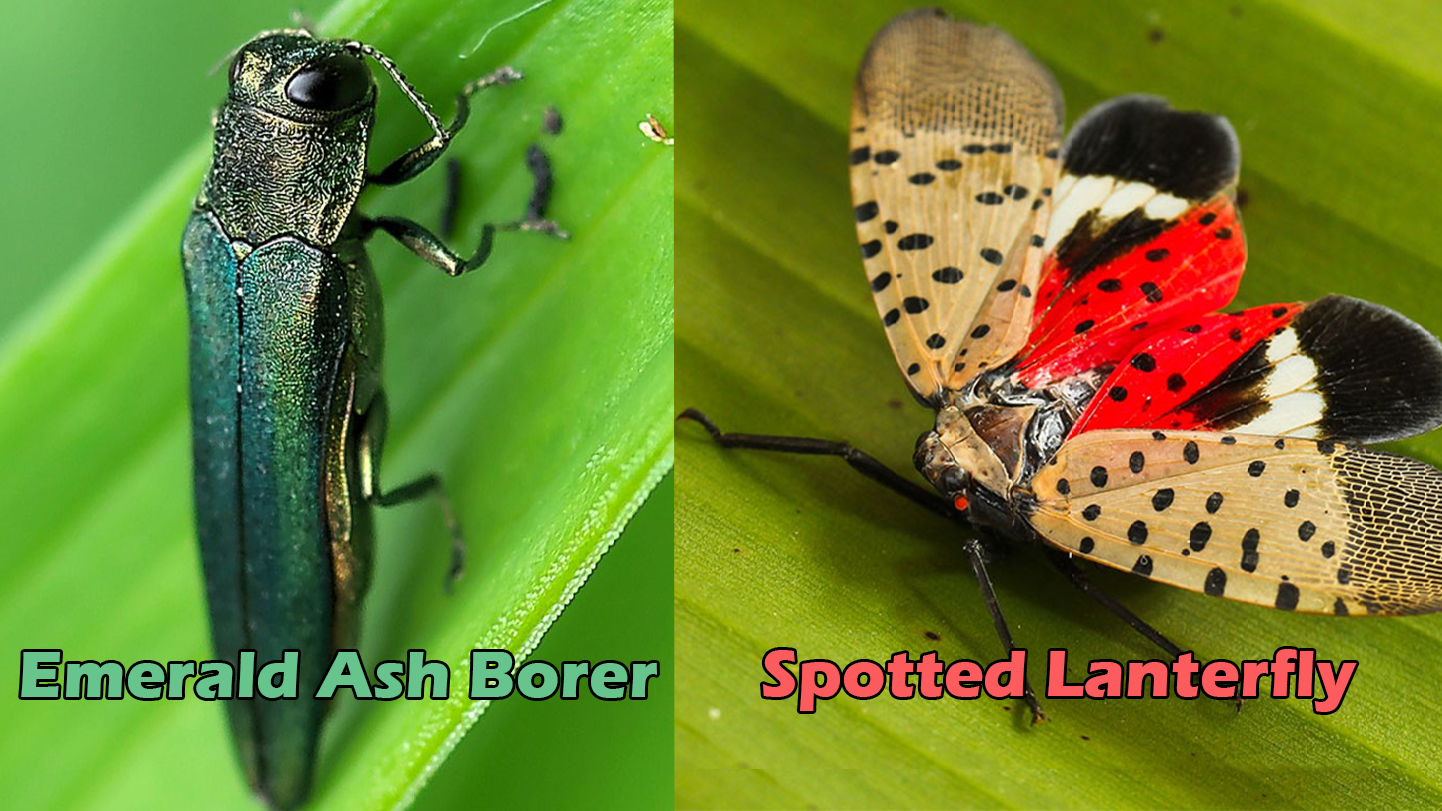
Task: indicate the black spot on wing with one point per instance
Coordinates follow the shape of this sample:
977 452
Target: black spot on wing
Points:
1287 595
1200 534
1137 532
1249 549
947 275
1163 499
1187 154
1216 584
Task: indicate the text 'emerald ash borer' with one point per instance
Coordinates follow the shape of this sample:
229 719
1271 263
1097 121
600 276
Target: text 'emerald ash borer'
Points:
287 411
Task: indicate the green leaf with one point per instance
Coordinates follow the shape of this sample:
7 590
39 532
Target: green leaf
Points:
540 386
1336 106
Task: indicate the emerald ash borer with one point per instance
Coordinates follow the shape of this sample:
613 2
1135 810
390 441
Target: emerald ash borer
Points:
287 411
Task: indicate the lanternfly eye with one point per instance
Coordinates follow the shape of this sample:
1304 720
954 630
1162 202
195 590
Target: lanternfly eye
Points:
330 83
952 481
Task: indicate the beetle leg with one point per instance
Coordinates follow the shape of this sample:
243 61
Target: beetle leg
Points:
535 217
372 441
419 158
429 247
452 200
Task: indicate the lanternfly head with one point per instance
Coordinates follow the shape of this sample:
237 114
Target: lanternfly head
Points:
936 461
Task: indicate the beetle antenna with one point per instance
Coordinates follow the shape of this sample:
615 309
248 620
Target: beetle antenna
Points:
404 84
302 21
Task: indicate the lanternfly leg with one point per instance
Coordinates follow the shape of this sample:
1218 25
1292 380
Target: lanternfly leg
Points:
1064 563
866 464
978 564
876 471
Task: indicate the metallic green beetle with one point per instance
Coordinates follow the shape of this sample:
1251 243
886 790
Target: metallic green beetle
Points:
287 411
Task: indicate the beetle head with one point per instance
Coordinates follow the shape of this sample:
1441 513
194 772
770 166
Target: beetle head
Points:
299 77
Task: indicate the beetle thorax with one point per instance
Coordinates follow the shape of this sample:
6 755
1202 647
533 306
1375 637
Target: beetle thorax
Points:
273 176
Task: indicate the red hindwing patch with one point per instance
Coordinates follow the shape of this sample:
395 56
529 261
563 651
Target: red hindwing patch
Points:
1166 381
1083 322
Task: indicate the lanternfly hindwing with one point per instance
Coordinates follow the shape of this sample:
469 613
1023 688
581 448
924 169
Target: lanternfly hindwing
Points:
1016 278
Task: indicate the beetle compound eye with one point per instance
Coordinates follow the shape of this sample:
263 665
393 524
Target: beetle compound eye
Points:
332 83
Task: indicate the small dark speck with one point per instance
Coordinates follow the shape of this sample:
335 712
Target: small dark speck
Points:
893 404
735 550
552 122
1242 197
933 636
1156 35
1086 737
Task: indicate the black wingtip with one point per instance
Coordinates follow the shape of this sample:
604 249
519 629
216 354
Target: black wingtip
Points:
1380 372
1139 138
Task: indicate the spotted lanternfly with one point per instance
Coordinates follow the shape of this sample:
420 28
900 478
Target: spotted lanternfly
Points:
1054 304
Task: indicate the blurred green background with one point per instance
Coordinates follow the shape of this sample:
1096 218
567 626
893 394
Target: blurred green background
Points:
102 100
